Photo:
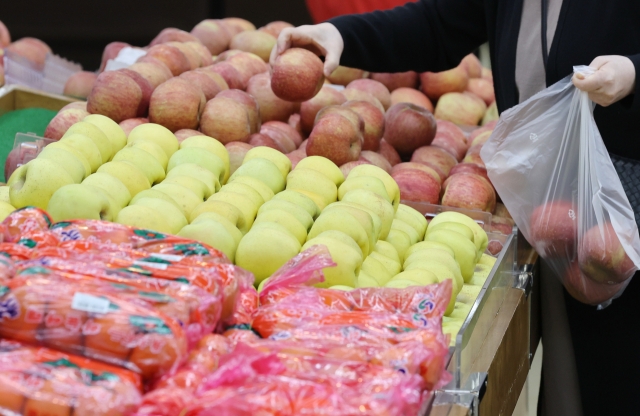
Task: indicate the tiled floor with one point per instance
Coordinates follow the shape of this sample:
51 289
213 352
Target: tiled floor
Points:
528 401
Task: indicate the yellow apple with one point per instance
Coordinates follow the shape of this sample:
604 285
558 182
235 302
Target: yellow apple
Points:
144 161
154 150
309 180
422 277
480 236
487 260
86 147
244 204
375 269
343 221
465 250
388 250
265 192
391 186
152 193
94 133
413 218
425 245
213 233
110 128
364 182
299 213
263 170
401 283
280 160
212 145
363 217
341 287
111 186
74 167
5 210
366 280
130 175
245 190
425 257
468 294
341 237
210 181
205 159
377 222
172 215
319 202
78 201
264 250
285 219
409 230
460 311
480 275
195 185
156 133
455 226
184 197
225 209
228 225
4 194
73 151
375 203
392 266
400 240
35 182
348 262
443 273
301 200
324 166
143 217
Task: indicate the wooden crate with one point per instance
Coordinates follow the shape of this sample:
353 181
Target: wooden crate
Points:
16 97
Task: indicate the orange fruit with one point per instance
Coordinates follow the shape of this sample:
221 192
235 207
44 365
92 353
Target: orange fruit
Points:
47 402
23 312
215 343
156 354
11 398
109 338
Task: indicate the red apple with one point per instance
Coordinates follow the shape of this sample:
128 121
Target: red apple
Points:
354 117
226 120
295 121
397 80
482 138
336 138
239 23
81 105
5 37
59 125
602 257
471 168
373 87
231 75
585 290
456 146
438 159
271 107
303 145
215 77
176 104
474 158
259 139
155 73
359 95
111 51
79 84
309 109
248 64
417 166
274 28
213 34
237 152
474 150
226 55
436 84
408 127
297 75
172 57
494 247
171 34
255 41
373 123
409 95
343 75
115 95
376 159
417 186
201 80
183 134
389 153
451 129
346 168
472 65
487 74
192 55
145 87
553 229
295 157
487 127
282 138
469 191
502 225
202 51
131 123
291 132
460 108
249 103
501 211
483 89
32 49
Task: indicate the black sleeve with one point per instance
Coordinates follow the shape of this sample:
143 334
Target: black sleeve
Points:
427 35
635 95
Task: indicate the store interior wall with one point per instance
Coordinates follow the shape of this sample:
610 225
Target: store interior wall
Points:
79 30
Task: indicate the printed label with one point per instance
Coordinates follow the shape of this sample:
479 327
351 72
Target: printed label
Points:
168 257
159 266
89 303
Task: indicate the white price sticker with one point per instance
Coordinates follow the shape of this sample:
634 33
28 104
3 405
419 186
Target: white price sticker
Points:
159 266
168 257
89 303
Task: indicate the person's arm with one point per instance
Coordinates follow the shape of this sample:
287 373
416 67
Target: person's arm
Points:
428 35
616 78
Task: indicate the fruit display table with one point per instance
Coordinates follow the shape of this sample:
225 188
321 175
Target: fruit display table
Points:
15 97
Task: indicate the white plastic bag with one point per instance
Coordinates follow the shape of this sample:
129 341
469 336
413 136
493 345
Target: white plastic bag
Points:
547 161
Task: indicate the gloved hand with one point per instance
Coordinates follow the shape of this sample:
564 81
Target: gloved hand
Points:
614 79
323 39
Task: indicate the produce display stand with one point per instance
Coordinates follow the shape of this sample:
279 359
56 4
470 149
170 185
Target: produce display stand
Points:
16 97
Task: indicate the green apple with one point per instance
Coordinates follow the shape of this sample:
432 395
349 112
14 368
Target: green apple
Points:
35 182
487 260
423 277
245 190
246 206
388 250
465 250
413 218
285 219
468 294
212 145
425 245
77 201
265 192
130 175
480 236
111 186
363 217
309 180
225 209
197 172
280 160
318 200
263 170
324 166
195 185
73 151
152 193
375 269
341 237
400 240
110 128
348 262
4 194
5 210
377 223
364 182
143 217
341 287
301 200
401 283
213 233
409 230
434 256
280 205
443 273
366 280
480 275
344 221
156 133
86 147
393 267
460 311
205 159
455 226
264 250
172 215
391 186
144 161
154 150
228 225
94 133
375 203
74 167
185 198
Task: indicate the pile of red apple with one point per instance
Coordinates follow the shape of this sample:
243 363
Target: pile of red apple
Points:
32 50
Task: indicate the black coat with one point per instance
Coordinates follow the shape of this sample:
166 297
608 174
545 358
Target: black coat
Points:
434 35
